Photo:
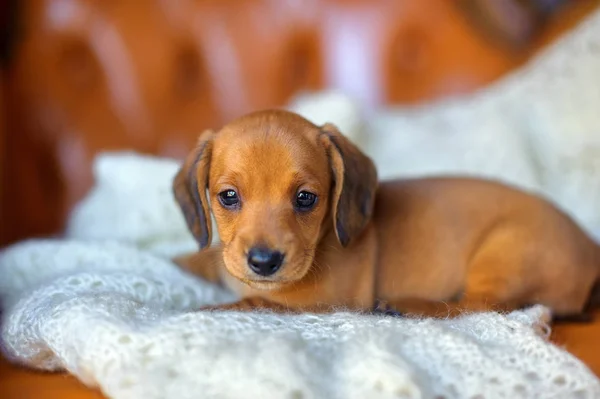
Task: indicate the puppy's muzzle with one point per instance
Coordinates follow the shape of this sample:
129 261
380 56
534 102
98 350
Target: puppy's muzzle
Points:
264 261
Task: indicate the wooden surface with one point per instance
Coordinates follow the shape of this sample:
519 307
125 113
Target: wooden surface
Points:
579 339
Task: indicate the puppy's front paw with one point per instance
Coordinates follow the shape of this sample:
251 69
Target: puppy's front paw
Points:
384 309
249 304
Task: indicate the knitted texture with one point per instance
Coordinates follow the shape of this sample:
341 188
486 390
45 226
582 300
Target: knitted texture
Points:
122 318
124 181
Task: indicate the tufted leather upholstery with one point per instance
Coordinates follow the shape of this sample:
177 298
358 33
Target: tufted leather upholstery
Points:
86 76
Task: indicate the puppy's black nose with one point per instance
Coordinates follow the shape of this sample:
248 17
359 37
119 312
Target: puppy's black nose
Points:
264 261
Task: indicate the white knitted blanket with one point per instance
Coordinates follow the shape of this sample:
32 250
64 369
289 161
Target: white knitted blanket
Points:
120 316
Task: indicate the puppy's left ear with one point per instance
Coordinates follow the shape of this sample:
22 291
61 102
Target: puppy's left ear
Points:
355 184
189 187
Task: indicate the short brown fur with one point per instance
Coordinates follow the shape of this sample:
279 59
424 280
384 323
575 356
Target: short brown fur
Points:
431 246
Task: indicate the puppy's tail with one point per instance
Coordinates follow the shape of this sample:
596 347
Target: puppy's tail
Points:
593 301
594 298
587 313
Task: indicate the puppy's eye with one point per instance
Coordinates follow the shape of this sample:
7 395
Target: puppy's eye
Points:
229 198
305 200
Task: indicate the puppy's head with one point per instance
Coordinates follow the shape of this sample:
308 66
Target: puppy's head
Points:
276 184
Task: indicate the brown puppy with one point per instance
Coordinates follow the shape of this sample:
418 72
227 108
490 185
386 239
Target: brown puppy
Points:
305 226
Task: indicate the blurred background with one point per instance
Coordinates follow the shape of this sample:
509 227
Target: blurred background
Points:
83 76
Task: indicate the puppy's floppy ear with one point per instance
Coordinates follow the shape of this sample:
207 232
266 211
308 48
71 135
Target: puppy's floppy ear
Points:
189 187
355 184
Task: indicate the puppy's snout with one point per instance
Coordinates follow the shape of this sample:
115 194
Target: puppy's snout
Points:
264 261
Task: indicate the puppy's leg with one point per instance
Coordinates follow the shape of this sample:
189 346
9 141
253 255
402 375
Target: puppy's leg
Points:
420 307
252 303
260 303
496 280
204 264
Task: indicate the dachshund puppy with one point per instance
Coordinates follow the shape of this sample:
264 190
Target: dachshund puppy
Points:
305 226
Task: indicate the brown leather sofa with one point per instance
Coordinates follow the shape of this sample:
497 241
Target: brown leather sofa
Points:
87 76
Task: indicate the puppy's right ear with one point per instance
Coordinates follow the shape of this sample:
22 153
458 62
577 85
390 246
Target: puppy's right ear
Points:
189 187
